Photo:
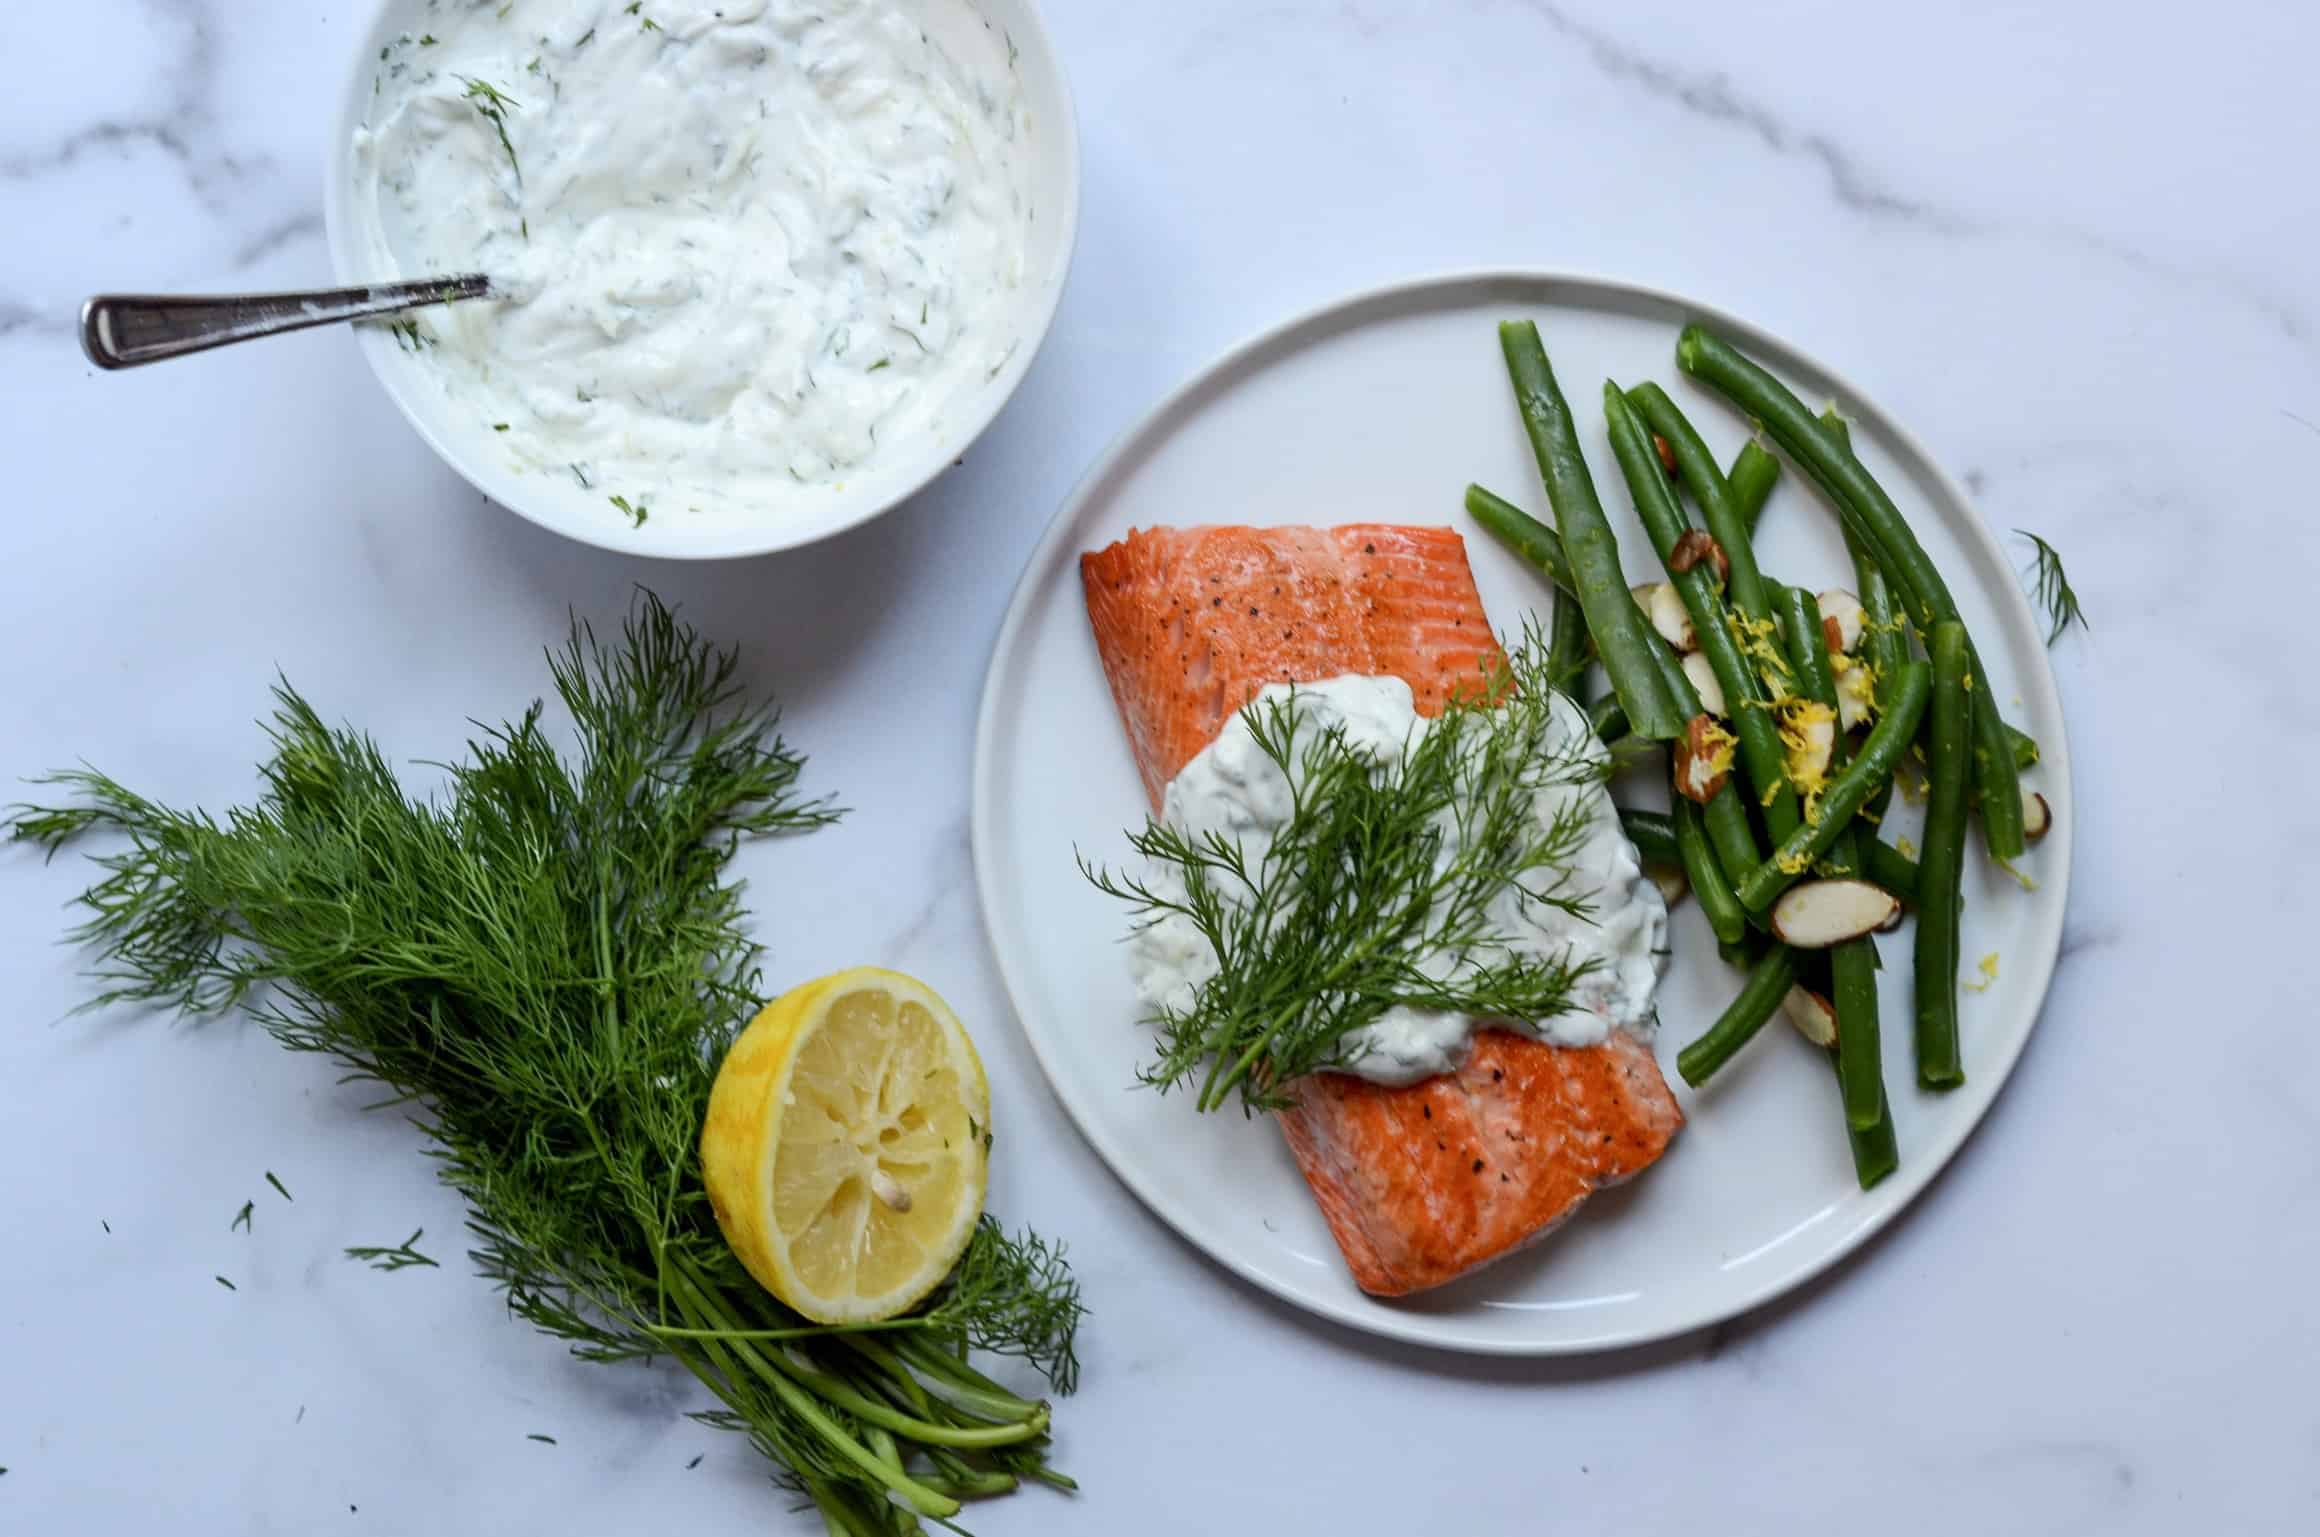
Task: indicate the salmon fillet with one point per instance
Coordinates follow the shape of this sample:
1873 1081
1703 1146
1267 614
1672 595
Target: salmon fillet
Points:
1424 1182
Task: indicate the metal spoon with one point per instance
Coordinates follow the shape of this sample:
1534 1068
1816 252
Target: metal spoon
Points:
125 330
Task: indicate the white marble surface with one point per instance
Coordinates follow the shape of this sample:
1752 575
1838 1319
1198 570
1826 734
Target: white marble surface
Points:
2076 252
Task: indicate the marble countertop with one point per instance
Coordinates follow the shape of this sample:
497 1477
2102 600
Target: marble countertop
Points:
2075 251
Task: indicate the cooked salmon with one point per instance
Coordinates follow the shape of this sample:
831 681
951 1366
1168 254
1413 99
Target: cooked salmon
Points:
1424 1182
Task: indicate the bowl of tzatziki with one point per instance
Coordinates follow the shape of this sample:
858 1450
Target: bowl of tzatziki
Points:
761 269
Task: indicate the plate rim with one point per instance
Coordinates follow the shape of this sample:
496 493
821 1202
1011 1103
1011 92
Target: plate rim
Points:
1401 295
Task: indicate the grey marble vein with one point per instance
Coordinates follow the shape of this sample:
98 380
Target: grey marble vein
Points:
1712 97
183 126
283 233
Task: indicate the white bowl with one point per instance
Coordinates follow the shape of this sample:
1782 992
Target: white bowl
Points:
467 444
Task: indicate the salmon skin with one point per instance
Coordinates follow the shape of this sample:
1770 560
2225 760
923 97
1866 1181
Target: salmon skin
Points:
1423 1182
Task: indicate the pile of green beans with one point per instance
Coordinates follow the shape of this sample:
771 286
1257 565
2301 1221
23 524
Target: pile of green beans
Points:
1756 838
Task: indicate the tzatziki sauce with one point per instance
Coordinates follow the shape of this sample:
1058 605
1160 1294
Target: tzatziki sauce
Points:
1235 790
744 244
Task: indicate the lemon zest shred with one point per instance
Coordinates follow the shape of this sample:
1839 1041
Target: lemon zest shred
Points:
1989 970
2026 883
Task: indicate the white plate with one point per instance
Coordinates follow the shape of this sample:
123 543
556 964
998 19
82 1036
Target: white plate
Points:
1382 407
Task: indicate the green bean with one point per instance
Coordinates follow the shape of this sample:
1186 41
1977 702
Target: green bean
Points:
1767 984
1536 543
1726 815
1745 586
1845 795
1588 544
1940 866
2021 746
1884 629
1567 656
1863 503
1653 833
1852 964
1761 756
1875 1154
1709 884
1886 866
1743 953
1608 721
1542 547
1753 474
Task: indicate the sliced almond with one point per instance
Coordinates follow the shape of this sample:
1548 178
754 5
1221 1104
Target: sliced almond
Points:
1845 609
1696 545
1664 607
1815 1017
1703 759
1856 690
2037 816
1704 684
1892 923
1671 619
1818 914
1673 888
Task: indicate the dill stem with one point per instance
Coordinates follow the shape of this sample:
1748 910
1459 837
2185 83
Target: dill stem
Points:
882 1446
695 1298
843 1393
838 1518
961 1384
894 1373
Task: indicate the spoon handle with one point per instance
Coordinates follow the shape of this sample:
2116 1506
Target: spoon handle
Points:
125 330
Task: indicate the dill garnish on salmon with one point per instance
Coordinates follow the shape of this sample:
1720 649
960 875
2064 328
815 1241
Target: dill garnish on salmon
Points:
1385 895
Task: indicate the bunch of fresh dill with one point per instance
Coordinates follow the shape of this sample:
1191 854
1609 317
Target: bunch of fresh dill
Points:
545 963
1376 892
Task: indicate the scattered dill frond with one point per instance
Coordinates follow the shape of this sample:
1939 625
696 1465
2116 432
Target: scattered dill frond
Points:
1337 919
2052 589
536 1436
495 105
402 1256
228 1285
636 512
242 1217
278 1186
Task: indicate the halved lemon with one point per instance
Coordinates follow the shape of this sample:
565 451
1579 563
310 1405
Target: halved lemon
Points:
845 1151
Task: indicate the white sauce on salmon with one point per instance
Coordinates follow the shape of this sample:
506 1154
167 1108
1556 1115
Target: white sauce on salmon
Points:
1232 788
745 243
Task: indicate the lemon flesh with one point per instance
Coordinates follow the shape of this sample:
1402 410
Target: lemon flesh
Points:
845 1151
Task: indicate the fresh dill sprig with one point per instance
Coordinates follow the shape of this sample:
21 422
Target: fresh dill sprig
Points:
400 1257
2052 589
635 512
1383 870
544 964
495 105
